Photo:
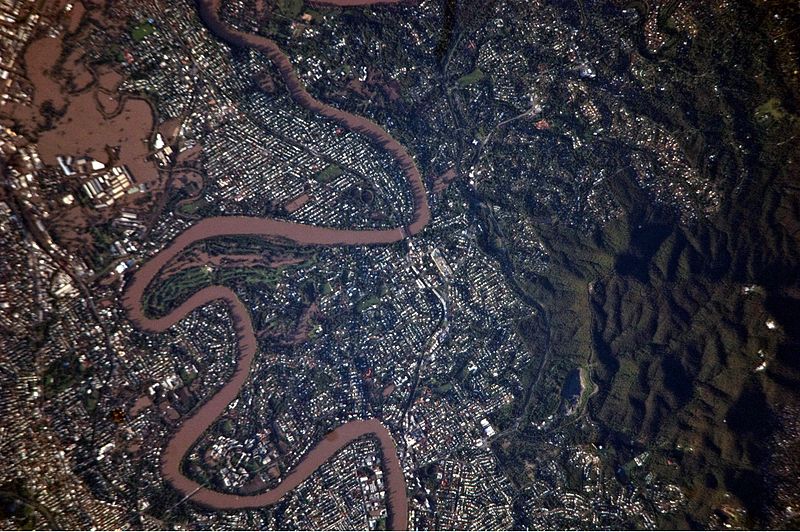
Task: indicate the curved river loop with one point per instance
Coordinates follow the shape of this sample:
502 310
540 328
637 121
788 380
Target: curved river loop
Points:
192 428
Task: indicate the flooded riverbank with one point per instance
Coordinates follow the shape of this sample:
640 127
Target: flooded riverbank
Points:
195 425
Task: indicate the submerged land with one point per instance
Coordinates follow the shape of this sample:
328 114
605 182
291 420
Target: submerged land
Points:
386 265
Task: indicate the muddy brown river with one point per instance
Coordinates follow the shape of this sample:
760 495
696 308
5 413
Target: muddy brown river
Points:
193 426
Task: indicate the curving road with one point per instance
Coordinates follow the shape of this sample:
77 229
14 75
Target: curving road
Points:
194 426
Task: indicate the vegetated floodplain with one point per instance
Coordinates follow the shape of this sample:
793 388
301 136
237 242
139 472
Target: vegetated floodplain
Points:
135 302
166 295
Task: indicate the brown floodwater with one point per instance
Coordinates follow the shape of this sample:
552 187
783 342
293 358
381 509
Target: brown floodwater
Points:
75 16
40 57
195 425
209 10
85 130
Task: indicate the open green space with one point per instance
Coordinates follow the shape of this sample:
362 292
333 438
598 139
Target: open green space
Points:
327 288
250 276
139 32
187 375
62 374
329 173
368 302
20 509
193 206
473 77
166 295
772 108
290 8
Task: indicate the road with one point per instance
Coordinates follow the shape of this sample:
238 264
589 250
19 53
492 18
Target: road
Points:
195 425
